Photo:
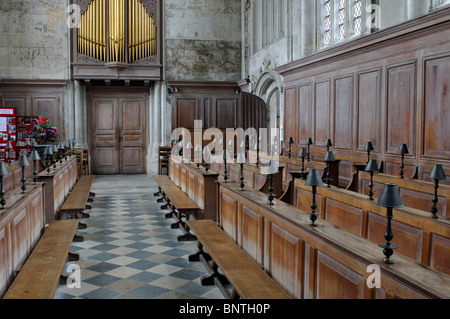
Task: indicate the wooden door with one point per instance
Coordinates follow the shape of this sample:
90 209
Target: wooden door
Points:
118 139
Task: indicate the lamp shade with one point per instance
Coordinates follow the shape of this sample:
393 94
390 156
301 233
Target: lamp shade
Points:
303 153
8 146
20 144
403 149
372 166
329 157
369 146
309 142
314 178
231 143
55 149
328 143
189 146
290 140
438 173
390 197
241 159
23 161
206 151
225 155
35 156
198 148
48 151
3 169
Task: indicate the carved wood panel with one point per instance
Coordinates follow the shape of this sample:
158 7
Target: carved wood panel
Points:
5 260
343 97
290 115
436 114
440 253
285 256
251 232
322 113
369 110
401 108
344 216
305 114
229 215
336 281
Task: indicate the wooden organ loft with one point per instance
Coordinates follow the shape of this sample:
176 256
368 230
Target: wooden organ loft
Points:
117 39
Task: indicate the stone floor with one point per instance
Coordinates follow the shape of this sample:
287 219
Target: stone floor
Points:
130 251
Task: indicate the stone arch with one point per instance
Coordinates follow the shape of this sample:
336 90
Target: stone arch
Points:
269 87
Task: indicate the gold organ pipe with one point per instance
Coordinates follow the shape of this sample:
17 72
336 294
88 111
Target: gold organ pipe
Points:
135 39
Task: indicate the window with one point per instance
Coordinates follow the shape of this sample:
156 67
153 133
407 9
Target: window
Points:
357 17
340 20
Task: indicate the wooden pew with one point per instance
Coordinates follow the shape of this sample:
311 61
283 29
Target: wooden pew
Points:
78 199
180 203
254 177
420 237
323 262
41 273
415 193
197 183
248 279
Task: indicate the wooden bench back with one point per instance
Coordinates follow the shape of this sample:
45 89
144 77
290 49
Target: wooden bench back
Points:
323 262
415 193
419 236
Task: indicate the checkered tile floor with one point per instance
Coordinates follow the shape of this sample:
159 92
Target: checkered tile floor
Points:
130 251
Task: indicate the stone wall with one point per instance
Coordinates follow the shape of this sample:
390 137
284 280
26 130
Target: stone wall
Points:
34 39
203 40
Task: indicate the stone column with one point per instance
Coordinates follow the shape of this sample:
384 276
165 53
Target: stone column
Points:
78 113
308 27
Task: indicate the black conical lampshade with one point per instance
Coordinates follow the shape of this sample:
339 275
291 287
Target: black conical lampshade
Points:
314 178
369 146
403 149
372 166
35 156
3 169
438 173
328 143
48 151
303 153
290 140
390 197
23 161
329 157
310 141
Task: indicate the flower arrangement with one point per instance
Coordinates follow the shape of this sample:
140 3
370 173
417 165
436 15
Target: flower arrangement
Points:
45 131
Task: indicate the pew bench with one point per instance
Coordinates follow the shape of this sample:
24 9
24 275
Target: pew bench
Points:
42 272
248 279
78 199
180 203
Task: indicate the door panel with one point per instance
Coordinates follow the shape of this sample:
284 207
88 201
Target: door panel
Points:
118 136
105 153
132 137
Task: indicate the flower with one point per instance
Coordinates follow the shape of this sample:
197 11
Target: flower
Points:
45 131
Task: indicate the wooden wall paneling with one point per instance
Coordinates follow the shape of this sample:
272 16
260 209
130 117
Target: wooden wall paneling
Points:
183 179
251 231
408 238
49 107
291 116
401 107
343 123
20 103
321 111
344 216
368 109
440 256
185 112
37 218
285 256
305 113
336 281
228 217
435 110
5 259
20 236
227 113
